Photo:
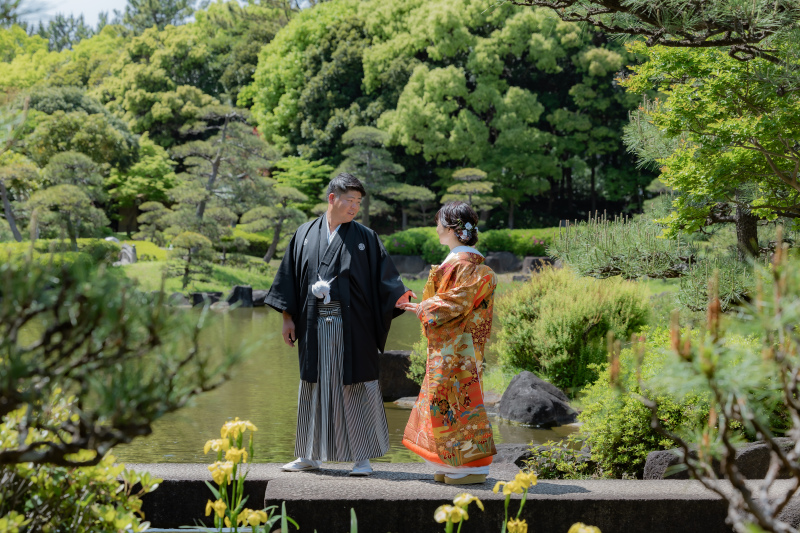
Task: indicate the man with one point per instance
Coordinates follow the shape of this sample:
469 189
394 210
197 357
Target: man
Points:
338 290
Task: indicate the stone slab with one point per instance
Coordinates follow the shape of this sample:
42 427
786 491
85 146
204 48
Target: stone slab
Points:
402 497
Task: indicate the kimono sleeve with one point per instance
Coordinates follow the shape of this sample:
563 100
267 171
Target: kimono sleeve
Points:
467 292
282 295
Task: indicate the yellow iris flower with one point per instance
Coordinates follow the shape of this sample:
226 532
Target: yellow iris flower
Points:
449 513
235 455
579 527
252 518
216 507
526 480
236 427
517 526
221 472
464 499
217 445
509 487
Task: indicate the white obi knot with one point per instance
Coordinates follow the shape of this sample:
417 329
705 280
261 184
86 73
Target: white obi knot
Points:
322 289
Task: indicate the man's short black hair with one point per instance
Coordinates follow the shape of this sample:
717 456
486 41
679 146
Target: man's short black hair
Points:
345 182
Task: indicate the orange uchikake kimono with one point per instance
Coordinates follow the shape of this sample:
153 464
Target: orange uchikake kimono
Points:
448 424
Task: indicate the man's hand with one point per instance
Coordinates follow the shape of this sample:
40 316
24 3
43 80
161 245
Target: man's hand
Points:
404 299
289 335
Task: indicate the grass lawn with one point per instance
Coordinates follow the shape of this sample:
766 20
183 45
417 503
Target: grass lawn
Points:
150 273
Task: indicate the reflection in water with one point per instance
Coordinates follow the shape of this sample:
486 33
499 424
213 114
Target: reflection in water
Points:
264 390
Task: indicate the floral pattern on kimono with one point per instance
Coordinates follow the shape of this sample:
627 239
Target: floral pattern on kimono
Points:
448 423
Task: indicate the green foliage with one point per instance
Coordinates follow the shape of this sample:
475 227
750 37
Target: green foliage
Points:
617 426
556 325
257 245
147 180
119 361
143 14
723 136
190 258
66 211
425 242
419 360
56 498
632 248
306 176
520 242
564 459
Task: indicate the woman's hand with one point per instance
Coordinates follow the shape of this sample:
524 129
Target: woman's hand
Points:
408 306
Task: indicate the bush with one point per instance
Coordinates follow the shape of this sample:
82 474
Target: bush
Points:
520 242
564 459
425 242
54 498
617 425
257 244
556 324
98 251
419 360
148 251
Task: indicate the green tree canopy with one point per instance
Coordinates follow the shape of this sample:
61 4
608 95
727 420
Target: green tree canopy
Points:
725 141
368 160
66 210
141 15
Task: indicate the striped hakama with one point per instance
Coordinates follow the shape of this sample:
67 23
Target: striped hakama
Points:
337 422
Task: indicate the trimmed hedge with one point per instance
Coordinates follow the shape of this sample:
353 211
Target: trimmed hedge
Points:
425 242
257 244
97 250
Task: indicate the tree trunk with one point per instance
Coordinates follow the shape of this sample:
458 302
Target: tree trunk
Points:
746 233
552 198
187 269
275 238
568 184
12 223
405 218
511 214
594 191
201 207
73 238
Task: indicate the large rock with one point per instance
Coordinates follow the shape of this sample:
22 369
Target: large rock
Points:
535 264
752 460
503 262
203 298
127 255
241 295
394 382
258 298
408 264
534 402
512 454
177 298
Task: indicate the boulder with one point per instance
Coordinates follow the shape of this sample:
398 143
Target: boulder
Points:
521 278
533 263
241 295
503 262
394 382
127 255
406 402
203 298
534 402
177 298
220 306
112 239
408 264
752 460
258 298
512 453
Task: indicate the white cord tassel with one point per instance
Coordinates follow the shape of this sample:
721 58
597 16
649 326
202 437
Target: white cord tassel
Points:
322 289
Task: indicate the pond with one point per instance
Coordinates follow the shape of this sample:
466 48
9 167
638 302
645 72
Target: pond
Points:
264 391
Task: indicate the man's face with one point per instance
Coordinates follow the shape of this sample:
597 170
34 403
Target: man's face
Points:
344 208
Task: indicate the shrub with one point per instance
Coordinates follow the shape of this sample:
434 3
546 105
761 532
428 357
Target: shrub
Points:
556 324
257 244
564 459
425 242
56 498
148 251
99 251
617 425
419 360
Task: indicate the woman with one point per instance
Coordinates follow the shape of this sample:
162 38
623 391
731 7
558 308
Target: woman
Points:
448 425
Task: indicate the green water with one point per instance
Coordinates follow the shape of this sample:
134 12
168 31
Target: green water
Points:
264 390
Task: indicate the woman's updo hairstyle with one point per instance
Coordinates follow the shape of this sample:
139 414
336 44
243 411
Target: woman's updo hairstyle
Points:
462 219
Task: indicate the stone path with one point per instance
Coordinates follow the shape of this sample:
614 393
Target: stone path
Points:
402 497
